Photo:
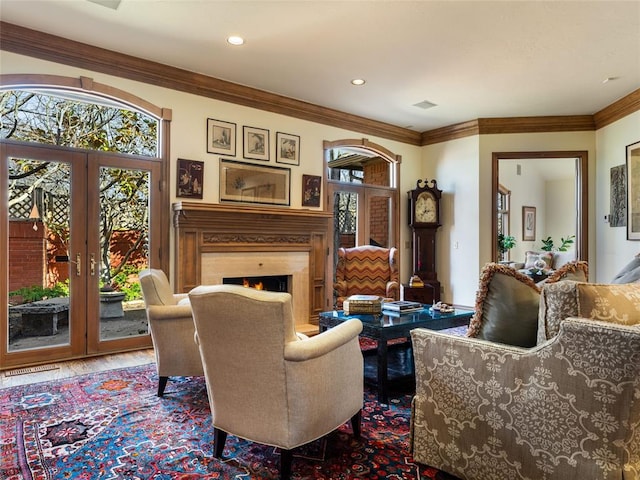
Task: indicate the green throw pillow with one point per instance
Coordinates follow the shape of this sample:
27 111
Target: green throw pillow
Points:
507 304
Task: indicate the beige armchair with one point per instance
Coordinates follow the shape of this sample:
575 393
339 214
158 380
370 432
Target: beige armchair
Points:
568 408
171 325
267 385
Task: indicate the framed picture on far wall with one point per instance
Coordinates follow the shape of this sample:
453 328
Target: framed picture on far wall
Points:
633 191
221 137
311 185
528 224
190 178
255 143
287 148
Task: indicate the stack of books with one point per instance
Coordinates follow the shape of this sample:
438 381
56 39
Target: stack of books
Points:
371 304
402 306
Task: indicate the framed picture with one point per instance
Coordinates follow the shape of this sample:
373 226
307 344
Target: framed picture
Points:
247 182
633 191
528 224
287 148
255 143
221 137
311 186
618 196
190 178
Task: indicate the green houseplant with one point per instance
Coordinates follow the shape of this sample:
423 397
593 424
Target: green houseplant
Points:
565 243
505 243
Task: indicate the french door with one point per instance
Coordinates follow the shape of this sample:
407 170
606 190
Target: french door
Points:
76 228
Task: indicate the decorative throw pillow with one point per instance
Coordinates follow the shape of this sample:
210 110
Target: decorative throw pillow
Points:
532 257
506 308
577 271
598 301
630 273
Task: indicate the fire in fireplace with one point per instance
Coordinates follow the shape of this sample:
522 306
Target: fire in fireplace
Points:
272 283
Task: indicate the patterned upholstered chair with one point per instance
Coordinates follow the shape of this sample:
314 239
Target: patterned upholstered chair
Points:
265 383
569 408
171 325
366 270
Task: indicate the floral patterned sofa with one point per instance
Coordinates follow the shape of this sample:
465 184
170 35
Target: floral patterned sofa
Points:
568 407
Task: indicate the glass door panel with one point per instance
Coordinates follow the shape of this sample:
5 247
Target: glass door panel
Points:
119 247
44 281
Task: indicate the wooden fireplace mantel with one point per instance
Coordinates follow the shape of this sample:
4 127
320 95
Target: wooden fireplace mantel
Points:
203 228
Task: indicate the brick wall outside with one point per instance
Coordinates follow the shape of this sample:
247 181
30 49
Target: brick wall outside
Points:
376 172
38 257
27 254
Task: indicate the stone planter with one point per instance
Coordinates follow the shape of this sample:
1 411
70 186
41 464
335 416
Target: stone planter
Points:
111 304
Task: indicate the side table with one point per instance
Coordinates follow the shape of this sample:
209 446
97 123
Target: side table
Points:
427 295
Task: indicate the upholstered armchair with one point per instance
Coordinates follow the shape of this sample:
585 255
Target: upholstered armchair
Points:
567 408
265 383
366 270
171 326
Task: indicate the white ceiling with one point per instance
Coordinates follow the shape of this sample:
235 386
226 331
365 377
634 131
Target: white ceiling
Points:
474 59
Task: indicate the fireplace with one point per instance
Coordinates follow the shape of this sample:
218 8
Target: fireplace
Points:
217 242
216 266
270 283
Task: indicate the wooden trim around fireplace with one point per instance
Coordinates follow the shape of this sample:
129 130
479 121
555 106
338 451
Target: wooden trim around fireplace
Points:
202 228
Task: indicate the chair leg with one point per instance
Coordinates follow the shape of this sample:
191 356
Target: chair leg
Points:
219 439
355 423
286 456
162 383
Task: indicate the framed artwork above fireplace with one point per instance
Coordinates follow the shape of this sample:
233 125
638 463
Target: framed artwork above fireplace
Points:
250 183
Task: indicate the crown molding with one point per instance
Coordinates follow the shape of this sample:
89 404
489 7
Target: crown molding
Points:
617 110
33 43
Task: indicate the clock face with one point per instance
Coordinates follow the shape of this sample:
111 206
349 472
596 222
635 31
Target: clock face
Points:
426 208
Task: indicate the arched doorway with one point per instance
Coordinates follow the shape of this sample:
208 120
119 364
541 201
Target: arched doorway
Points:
362 192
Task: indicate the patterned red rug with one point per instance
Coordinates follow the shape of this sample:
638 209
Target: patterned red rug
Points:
111 425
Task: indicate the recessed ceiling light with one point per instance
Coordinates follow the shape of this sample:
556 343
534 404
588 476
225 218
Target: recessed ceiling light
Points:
358 81
235 40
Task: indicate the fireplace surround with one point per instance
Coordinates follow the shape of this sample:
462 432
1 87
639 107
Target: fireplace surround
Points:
215 241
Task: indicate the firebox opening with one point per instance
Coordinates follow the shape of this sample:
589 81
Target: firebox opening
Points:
272 283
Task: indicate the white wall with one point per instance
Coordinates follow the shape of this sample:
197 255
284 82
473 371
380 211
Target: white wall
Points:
454 165
560 198
613 250
527 189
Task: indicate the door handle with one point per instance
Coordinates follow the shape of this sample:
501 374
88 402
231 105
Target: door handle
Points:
78 265
92 264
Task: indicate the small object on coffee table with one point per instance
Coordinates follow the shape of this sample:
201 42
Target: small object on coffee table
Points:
441 307
362 304
416 281
402 306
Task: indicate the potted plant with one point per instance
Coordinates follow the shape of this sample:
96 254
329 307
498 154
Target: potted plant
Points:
505 243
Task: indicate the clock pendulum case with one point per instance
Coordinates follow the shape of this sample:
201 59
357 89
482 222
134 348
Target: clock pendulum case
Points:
424 221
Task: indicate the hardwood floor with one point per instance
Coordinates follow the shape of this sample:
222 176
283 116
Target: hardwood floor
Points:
55 371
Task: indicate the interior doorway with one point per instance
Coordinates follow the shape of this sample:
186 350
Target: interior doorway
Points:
581 217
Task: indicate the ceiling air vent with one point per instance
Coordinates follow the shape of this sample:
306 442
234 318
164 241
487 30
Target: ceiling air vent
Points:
425 104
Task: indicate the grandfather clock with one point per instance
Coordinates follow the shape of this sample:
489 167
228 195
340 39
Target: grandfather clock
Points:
424 220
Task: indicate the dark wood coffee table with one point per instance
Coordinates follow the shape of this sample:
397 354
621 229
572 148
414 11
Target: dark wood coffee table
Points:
384 327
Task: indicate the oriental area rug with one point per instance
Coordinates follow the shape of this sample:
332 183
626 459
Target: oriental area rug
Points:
111 425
